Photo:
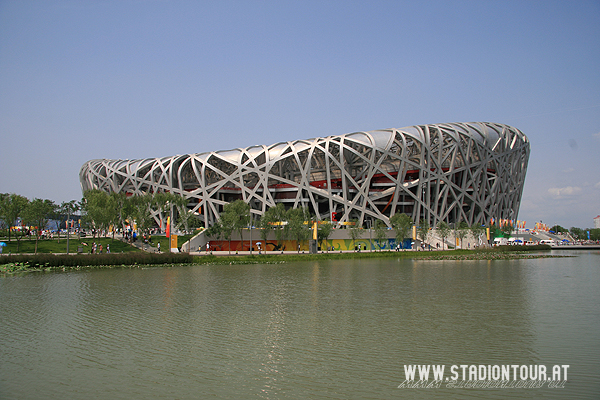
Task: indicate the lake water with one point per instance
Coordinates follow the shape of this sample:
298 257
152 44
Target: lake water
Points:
319 330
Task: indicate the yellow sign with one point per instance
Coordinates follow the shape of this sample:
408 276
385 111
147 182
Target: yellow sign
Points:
173 241
414 232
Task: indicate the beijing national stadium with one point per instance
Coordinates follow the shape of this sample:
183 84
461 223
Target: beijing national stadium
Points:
452 172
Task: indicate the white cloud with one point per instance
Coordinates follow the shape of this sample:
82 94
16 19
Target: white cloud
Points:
597 185
596 135
566 191
569 170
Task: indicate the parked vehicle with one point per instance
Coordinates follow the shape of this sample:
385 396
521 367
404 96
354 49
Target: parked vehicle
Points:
500 241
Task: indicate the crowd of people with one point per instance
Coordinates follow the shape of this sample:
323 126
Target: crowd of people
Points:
98 248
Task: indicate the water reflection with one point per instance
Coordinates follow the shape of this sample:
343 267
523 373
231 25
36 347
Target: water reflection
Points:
336 329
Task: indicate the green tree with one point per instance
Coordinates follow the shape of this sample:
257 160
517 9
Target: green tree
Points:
578 233
215 231
97 208
462 231
298 229
227 226
443 230
142 208
401 223
82 217
188 220
380 235
59 218
324 229
266 225
38 213
241 211
355 231
120 209
235 216
558 229
423 230
68 208
12 207
165 202
275 218
3 197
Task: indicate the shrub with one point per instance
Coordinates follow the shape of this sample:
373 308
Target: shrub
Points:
81 260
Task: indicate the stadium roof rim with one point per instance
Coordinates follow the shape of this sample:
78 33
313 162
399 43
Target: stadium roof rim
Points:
380 138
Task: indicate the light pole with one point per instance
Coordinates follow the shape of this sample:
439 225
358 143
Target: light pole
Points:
170 224
69 207
250 233
68 233
370 235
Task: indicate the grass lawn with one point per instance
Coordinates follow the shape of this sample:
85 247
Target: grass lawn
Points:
53 246
27 246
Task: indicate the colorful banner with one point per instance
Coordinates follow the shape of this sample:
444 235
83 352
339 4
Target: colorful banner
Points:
173 241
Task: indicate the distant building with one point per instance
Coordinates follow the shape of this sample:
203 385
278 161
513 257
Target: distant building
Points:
597 222
471 172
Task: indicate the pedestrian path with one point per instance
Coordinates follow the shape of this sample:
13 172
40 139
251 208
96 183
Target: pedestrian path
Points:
144 247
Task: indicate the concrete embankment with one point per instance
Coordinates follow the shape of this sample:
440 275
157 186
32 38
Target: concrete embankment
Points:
577 247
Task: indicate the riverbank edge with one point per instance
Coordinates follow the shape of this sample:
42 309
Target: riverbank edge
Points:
61 262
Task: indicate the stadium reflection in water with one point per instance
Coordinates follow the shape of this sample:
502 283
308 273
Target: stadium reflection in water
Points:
335 329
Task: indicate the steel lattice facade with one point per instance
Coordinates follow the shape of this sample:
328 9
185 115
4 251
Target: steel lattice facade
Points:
453 172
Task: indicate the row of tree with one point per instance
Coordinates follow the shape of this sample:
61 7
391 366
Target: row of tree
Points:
296 224
34 213
97 210
402 224
101 210
578 233
293 222
104 210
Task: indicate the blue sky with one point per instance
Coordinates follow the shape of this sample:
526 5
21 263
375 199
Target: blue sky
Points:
81 80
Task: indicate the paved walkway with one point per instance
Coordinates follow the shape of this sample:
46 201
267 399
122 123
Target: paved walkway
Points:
144 247
271 253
